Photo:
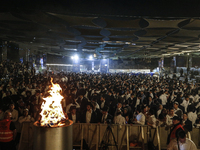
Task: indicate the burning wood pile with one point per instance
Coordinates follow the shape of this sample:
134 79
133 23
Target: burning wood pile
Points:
52 114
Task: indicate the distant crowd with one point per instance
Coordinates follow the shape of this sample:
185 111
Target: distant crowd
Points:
100 98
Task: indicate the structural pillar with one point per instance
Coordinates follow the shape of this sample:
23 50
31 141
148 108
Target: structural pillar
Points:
4 51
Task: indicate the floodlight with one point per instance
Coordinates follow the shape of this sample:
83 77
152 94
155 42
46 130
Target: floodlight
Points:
90 57
76 57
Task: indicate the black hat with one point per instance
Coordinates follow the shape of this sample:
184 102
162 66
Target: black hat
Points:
143 107
89 103
72 107
105 108
176 118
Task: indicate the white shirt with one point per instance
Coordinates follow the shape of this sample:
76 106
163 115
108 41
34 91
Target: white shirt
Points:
196 98
119 119
151 94
127 96
137 102
88 116
4 95
185 104
175 110
102 104
169 120
197 105
159 112
74 118
152 120
188 145
13 91
191 97
26 119
192 117
163 98
14 114
140 118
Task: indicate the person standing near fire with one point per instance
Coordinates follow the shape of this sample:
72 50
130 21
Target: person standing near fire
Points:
177 127
181 143
7 133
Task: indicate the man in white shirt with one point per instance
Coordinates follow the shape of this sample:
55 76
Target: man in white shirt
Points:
13 111
164 98
185 103
103 102
140 118
73 115
26 117
182 144
196 98
192 116
152 119
159 110
177 110
151 94
119 119
89 116
169 117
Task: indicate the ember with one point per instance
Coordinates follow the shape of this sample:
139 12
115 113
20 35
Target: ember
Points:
52 114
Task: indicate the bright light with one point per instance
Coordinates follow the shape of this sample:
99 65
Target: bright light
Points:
90 57
76 57
105 64
72 57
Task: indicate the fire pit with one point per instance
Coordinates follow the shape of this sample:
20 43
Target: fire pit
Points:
54 130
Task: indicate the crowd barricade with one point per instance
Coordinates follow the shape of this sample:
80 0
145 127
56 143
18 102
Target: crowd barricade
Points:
93 134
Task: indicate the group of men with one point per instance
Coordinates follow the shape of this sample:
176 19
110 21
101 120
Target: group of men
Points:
106 98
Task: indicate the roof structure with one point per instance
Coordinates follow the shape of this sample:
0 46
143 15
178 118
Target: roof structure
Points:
64 28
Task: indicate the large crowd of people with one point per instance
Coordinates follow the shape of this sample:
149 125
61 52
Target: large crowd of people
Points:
101 98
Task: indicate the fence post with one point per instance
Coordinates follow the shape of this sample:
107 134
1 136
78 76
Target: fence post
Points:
142 135
81 136
127 136
158 137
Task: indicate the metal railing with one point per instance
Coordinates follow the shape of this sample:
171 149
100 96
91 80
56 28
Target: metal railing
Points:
92 134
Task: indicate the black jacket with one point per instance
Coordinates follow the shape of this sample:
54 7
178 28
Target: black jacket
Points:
108 118
83 103
77 117
188 126
92 120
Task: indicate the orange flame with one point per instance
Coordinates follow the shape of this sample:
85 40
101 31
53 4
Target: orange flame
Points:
52 112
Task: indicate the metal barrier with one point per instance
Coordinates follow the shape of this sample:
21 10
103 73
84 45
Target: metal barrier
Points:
93 134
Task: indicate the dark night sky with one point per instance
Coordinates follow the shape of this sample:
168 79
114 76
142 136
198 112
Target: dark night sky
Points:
151 8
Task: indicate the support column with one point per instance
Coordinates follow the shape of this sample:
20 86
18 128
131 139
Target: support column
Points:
190 61
22 53
92 65
13 52
4 51
174 64
108 65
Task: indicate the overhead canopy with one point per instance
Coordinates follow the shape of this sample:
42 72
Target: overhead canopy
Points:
52 28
